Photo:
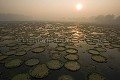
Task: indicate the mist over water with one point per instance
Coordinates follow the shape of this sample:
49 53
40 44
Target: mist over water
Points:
59 40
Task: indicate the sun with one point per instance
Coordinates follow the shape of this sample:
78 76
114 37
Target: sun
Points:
79 6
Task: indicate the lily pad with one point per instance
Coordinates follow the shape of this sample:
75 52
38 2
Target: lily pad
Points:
38 50
55 56
93 51
65 77
3 57
9 53
99 58
32 62
60 48
100 49
39 71
72 65
71 50
62 44
96 76
21 77
13 63
72 57
21 53
54 64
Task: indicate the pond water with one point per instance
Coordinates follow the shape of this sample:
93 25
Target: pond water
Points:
59 51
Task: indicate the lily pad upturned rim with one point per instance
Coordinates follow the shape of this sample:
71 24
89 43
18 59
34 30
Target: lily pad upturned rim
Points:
66 65
28 62
63 77
76 51
72 55
105 61
97 52
23 76
92 74
9 65
51 64
42 74
35 50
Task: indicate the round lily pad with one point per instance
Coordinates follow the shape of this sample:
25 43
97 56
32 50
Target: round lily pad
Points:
96 76
93 51
99 58
72 65
38 50
32 62
2 57
55 56
62 44
116 45
100 49
60 48
65 77
9 53
21 77
13 63
72 57
71 50
54 64
39 71
21 53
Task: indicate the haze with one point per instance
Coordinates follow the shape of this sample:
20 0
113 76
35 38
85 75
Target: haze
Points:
59 9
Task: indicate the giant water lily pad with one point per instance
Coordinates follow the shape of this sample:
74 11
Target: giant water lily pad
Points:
21 77
72 65
13 63
65 77
72 57
38 50
9 53
60 48
96 76
99 58
55 56
39 71
32 62
100 49
71 50
21 53
54 64
2 57
62 44
93 51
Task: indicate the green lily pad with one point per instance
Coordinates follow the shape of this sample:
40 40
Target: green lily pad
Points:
62 44
99 58
65 77
72 65
60 48
32 62
38 50
72 57
71 50
13 63
21 77
96 76
54 64
9 53
93 51
55 56
21 53
3 57
39 71
100 49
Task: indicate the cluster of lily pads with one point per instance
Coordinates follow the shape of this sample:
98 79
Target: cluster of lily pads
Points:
26 35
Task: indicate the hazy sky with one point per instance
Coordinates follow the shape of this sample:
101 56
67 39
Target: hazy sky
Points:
53 9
